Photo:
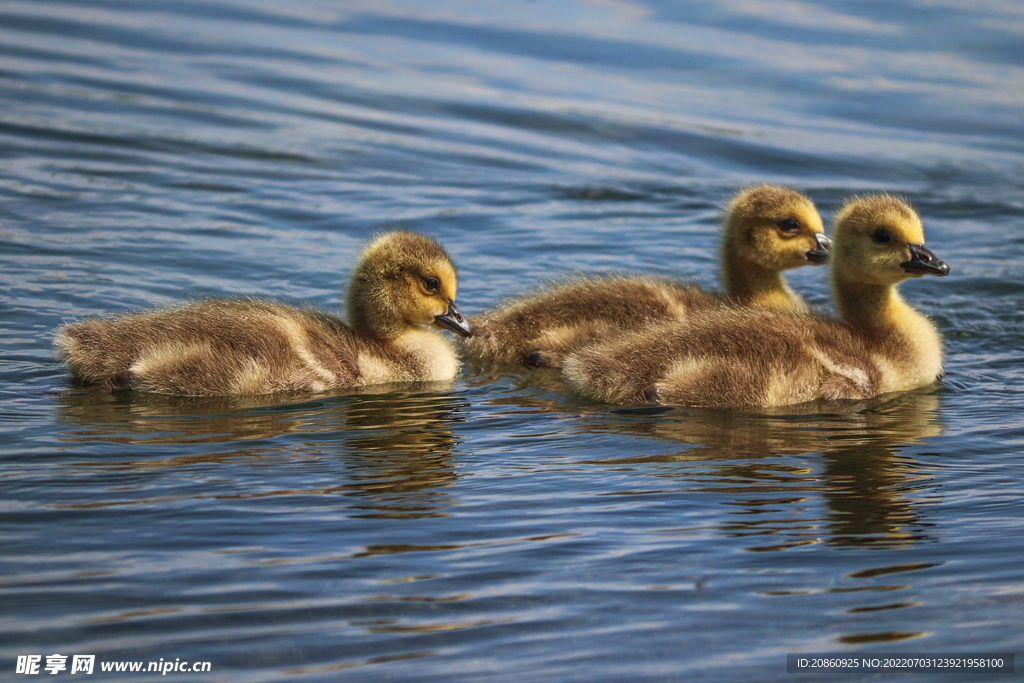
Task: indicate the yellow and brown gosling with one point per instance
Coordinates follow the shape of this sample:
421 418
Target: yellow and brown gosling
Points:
755 358
767 229
401 291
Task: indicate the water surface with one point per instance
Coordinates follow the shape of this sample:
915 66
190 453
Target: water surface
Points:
495 528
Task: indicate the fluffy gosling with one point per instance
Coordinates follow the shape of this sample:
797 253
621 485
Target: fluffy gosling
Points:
401 291
767 229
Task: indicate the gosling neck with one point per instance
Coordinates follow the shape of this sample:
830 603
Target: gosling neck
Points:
876 308
371 314
752 284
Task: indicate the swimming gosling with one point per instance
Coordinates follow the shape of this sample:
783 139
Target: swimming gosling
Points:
749 358
401 291
767 229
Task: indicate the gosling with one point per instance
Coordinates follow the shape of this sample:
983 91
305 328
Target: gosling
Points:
401 291
748 358
767 229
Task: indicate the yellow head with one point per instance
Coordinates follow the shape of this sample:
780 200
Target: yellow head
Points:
404 280
770 229
879 241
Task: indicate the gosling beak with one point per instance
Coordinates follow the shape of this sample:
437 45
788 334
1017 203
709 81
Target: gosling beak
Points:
819 254
924 262
454 321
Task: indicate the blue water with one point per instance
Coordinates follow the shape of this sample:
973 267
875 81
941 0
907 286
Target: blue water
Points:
497 528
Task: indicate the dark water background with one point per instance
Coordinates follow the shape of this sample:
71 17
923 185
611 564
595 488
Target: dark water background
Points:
495 528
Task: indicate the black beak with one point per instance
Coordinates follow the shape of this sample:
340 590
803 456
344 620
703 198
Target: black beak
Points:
819 254
924 262
453 320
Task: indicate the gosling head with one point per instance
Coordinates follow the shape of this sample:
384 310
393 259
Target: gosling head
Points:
771 228
404 280
879 240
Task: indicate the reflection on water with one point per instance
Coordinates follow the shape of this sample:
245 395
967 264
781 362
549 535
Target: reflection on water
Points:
873 491
396 442
856 460
876 496
807 428
862 613
842 475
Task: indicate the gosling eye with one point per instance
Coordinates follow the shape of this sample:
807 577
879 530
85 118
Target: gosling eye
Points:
431 284
881 236
789 225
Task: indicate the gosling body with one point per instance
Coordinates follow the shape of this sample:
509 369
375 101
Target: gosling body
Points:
767 229
401 291
755 358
